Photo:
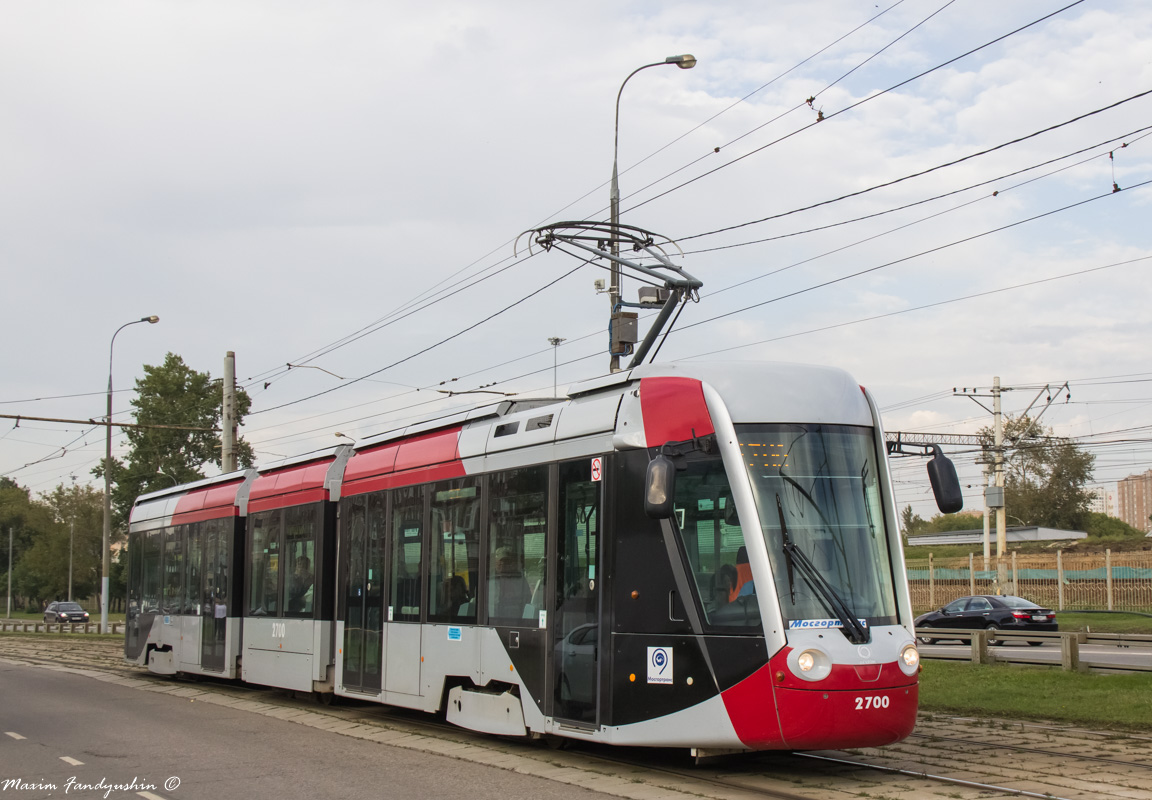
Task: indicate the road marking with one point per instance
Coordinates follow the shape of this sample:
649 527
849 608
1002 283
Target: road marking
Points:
13 735
71 761
150 796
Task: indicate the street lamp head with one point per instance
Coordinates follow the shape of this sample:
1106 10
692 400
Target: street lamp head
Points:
686 61
152 319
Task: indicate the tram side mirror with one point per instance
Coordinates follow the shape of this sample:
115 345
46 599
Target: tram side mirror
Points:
659 487
945 484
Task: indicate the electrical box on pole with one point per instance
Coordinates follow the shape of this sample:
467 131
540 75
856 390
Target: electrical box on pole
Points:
623 331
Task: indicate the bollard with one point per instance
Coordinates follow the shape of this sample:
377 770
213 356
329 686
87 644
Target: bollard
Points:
1070 642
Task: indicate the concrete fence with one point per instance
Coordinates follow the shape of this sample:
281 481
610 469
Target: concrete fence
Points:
1070 642
32 626
1064 582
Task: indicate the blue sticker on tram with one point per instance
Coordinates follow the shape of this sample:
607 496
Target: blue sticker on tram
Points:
455 634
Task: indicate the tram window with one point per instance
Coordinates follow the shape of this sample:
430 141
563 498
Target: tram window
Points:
407 527
300 526
455 555
193 560
135 577
714 543
517 531
173 570
215 545
150 568
264 560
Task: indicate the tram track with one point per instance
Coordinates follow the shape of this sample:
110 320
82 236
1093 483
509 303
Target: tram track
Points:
775 775
1060 754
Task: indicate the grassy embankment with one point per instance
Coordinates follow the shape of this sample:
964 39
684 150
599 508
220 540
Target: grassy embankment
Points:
1120 701
1012 691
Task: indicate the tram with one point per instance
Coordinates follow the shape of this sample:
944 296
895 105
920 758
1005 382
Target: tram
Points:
696 555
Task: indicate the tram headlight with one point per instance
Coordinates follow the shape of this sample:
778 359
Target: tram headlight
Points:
909 659
810 664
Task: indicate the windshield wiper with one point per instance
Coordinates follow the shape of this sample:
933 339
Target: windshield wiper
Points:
794 556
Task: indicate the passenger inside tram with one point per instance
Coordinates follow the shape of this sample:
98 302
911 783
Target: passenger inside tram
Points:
510 590
726 580
300 593
743 585
458 603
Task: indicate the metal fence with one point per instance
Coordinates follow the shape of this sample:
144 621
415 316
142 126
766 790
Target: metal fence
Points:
1103 581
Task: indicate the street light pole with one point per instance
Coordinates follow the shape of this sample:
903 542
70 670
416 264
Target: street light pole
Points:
108 481
71 537
683 62
555 342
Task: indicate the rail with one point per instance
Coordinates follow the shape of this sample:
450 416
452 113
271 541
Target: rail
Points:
32 626
1070 642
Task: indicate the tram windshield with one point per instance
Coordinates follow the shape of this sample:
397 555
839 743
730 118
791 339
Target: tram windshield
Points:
817 493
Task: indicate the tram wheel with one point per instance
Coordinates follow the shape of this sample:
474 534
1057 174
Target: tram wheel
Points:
324 698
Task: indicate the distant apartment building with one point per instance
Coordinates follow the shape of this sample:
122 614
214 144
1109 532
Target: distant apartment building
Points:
1134 500
1103 500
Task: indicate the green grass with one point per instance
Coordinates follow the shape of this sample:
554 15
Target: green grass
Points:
1017 692
1104 622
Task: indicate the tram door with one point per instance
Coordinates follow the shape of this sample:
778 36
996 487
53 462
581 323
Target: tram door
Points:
362 557
576 632
215 605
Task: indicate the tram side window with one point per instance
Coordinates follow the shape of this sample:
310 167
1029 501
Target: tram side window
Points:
301 524
517 531
714 543
192 562
135 577
173 570
215 541
407 527
264 560
455 556
150 567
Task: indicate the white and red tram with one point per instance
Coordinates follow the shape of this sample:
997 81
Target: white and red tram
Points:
682 555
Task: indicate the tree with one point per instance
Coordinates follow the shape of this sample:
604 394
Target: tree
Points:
77 514
172 394
1045 476
963 521
910 523
30 522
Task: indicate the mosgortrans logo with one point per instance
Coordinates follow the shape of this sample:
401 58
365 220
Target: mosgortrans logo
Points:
811 624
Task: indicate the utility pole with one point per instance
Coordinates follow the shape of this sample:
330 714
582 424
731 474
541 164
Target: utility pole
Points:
987 518
998 445
9 614
228 421
994 495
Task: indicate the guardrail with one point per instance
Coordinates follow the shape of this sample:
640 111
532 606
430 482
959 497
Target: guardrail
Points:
1070 642
32 626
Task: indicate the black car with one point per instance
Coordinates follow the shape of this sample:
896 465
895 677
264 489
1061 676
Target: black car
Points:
991 612
65 612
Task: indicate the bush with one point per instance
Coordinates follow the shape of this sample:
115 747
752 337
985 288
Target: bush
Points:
1103 528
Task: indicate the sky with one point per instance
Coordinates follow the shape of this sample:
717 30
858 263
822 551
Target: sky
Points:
925 193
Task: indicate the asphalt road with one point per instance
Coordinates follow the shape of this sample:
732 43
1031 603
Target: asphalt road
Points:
61 732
